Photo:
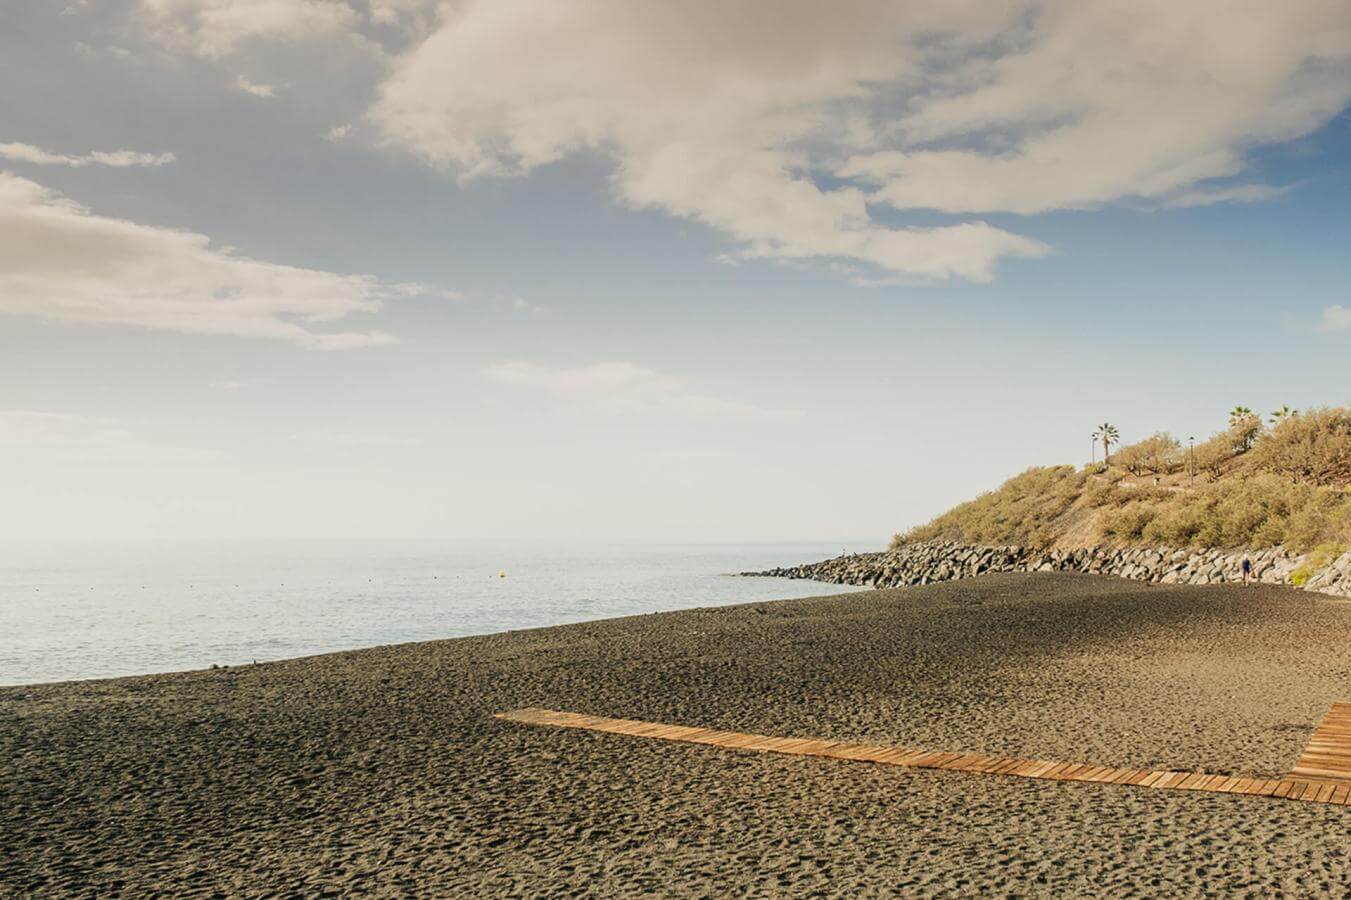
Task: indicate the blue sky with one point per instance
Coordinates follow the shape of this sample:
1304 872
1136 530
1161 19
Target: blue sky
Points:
622 272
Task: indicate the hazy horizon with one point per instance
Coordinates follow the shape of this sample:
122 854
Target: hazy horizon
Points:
404 269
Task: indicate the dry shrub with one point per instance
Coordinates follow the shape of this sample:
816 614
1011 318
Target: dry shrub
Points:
1290 489
1158 454
1022 511
1311 446
1253 512
1129 522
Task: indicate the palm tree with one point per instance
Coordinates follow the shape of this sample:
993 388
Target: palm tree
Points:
1282 414
1106 433
1247 427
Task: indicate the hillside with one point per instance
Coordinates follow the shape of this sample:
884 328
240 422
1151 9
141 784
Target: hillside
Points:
1250 486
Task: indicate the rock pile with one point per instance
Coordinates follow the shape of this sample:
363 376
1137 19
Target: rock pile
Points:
931 561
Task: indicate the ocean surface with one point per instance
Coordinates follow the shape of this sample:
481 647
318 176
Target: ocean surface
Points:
74 611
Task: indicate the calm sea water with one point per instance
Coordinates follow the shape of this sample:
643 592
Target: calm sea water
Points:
71 611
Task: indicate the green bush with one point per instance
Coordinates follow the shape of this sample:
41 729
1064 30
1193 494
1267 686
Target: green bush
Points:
1319 557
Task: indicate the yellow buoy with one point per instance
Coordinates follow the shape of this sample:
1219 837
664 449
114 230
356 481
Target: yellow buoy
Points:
501 574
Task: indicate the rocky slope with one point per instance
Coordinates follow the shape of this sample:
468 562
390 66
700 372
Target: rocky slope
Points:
926 562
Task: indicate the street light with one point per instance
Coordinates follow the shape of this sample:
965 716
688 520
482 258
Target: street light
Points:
1191 461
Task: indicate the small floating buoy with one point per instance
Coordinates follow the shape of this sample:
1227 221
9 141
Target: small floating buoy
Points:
502 574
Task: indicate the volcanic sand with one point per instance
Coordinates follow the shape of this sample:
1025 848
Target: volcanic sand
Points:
383 770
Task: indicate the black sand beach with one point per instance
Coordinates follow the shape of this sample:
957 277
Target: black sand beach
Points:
382 770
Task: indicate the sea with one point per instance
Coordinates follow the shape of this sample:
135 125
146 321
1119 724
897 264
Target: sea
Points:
96 610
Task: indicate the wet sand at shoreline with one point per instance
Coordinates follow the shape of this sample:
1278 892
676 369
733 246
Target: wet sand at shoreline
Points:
382 769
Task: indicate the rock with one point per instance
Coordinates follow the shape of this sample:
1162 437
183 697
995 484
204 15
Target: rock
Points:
929 562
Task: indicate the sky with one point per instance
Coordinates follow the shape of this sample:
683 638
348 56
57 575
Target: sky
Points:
627 270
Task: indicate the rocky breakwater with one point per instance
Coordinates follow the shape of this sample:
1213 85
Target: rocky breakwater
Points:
931 561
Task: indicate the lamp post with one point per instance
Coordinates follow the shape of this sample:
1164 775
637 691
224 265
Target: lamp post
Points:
1191 460
1093 450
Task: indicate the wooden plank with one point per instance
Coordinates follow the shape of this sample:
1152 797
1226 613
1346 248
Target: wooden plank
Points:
1327 756
1269 787
1323 774
894 755
1071 772
796 746
911 757
1103 774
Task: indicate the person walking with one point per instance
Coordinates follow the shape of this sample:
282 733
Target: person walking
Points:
1246 565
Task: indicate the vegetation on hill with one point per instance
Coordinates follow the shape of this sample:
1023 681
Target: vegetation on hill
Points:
1251 485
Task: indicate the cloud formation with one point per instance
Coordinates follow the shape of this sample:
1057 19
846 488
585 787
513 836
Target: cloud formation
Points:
876 136
257 90
623 387
118 159
1336 318
785 124
61 261
1104 101
216 28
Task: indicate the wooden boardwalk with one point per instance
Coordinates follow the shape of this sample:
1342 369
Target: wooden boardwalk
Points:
1312 784
1328 756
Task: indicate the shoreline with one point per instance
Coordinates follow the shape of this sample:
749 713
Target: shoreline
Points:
179 612
383 768
393 645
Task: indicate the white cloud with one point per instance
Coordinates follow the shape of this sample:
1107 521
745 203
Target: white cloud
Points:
215 28
710 110
1335 318
257 90
1240 193
338 132
1101 102
414 17
119 159
788 125
623 387
747 116
520 304
60 261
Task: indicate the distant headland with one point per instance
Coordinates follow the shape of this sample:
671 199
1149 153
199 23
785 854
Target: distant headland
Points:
1274 492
